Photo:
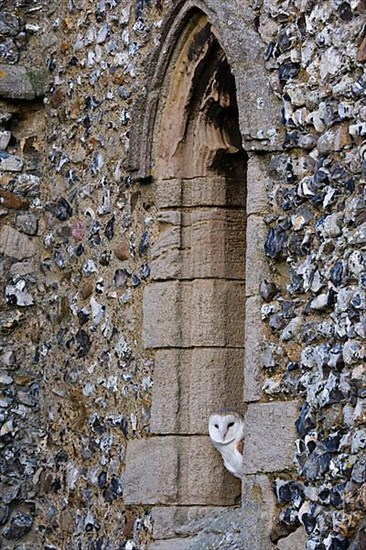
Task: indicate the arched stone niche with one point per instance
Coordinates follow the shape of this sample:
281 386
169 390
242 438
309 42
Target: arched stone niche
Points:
198 128
193 308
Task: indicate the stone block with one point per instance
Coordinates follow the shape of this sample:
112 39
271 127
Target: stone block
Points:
172 544
161 315
201 313
215 311
200 244
189 384
259 121
259 512
257 179
215 382
169 193
17 82
168 408
270 436
168 470
9 24
203 528
16 245
167 252
295 540
216 241
171 521
257 267
253 349
208 191
222 529
151 475
10 163
4 139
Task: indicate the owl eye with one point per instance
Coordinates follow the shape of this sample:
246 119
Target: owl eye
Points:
217 426
230 425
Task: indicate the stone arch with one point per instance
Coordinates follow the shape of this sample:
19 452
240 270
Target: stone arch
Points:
199 123
243 49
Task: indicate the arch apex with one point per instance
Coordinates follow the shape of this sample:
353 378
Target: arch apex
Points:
182 18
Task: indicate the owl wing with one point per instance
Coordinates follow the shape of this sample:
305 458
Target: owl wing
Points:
240 446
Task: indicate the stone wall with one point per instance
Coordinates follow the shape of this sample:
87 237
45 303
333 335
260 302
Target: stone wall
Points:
74 238
92 259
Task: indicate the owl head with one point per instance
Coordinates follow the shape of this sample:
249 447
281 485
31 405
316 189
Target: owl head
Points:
225 426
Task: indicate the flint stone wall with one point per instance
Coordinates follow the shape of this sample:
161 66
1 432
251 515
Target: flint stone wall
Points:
80 242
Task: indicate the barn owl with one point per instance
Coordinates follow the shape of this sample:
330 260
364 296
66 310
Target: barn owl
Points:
226 429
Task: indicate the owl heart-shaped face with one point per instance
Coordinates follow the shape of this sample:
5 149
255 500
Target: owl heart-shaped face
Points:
225 427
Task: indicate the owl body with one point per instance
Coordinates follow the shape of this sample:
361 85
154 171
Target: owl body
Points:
226 429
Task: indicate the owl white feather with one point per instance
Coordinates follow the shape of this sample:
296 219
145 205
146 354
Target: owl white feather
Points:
226 429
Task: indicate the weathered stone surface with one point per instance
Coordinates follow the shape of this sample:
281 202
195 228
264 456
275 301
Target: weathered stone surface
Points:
15 244
259 512
17 82
359 540
195 141
334 140
4 139
253 349
259 128
361 54
258 117
200 244
10 320
9 52
189 384
256 265
161 312
72 147
167 252
218 313
9 24
209 191
10 163
168 470
216 244
211 528
28 184
295 540
169 521
23 267
197 313
222 529
27 223
20 524
270 436
176 544
257 181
